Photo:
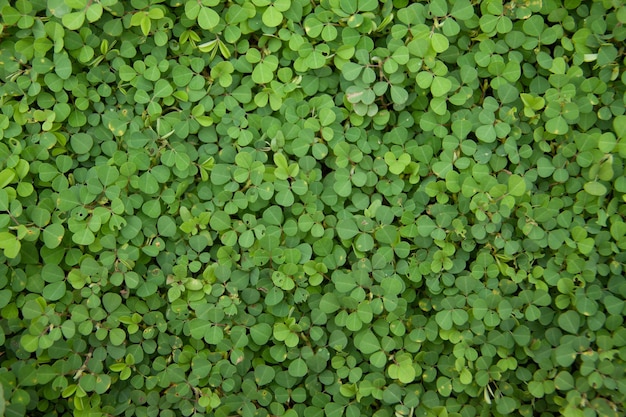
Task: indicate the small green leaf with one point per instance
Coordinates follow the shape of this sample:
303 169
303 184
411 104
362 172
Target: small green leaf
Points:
569 321
54 291
440 86
83 237
261 333
506 405
516 185
220 221
81 143
262 73
557 126
564 381
117 336
462 10
486 133
208 18
7 176
298 368
74 20
163 88
329 303
263 375
439 42
272 17
29 343
347 229
166 226
444 319
367 342
619 126
94 12
351 71
595 188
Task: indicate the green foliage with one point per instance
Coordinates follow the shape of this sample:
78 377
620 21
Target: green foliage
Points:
312 208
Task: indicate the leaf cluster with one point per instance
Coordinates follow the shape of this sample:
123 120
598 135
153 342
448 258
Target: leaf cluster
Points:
312 208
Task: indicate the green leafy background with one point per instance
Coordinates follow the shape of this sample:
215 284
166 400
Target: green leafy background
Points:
316 208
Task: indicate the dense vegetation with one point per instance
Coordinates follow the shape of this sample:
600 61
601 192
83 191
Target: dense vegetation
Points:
316 208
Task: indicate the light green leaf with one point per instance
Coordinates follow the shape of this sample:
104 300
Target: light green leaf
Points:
569 321
264 374
74 20
163 88
462 10
595 188
262 73
83 237
7 175
516 185
557 126
272 17
367 342
298 368
208 18
54 291
439 42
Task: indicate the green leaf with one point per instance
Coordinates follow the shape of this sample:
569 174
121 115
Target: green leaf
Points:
83 237
261 333
585 246
331 209
117 336
74 20
166 226
298 368
440 86
62 65
569 321
557 126
406 373
220 221
263 73
272 17
348 7
564 381
81 143
264 375
347 229
29 343
595 188
439 42
163 88
367 342
533 26
7 176
565 355
208 18
444 319
351 71
438 8
52 273
364 242
506 405
619 126
94 12
486 133
536 389
54 291
462 10
516 185
329 303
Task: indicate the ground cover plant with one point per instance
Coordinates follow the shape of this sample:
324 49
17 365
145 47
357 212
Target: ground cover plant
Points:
316 208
